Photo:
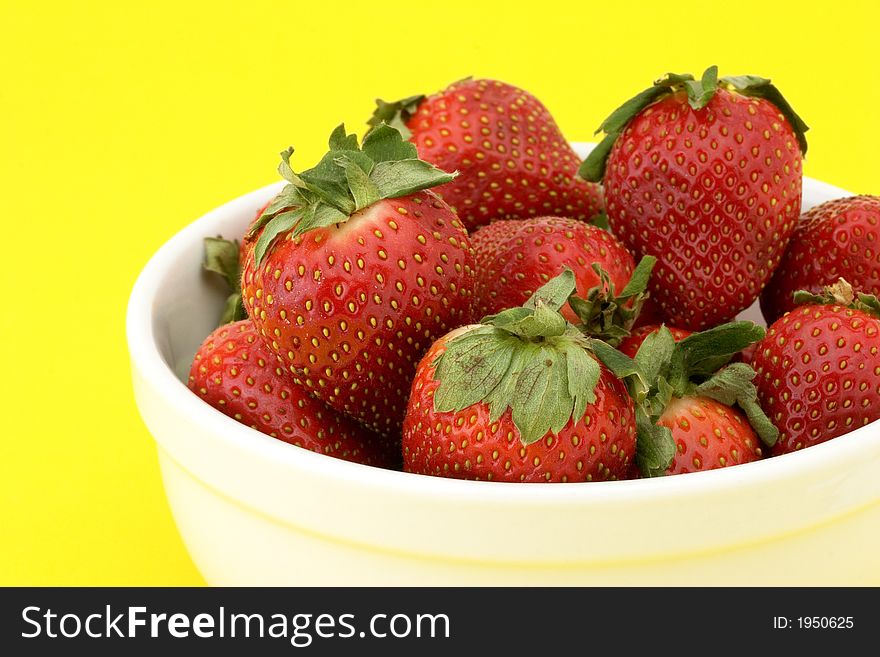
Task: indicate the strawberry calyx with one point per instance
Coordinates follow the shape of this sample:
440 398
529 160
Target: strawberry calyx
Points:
349 178
527 359
699 93
396 114
840 293
221 257
699 365
609 316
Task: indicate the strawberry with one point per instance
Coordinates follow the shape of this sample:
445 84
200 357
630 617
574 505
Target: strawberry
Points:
819 367
234 372
694 409
519 398
514 161
706 176
356 269
838 239
519 256
708 435
630 345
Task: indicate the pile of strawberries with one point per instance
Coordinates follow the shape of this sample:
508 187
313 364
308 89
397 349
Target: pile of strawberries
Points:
459 295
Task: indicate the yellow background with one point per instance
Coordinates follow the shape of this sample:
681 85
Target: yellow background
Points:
122 122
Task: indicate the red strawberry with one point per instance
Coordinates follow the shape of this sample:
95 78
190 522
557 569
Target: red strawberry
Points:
838 239
819 368
522 255
706 176
487 240
356 271
694 410
708 435
520 399
514 161
236 374
630 345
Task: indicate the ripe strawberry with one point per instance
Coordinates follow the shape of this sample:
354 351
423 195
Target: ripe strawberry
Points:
694 410
708 435
519 256
706 176
819 368
630 345
355 270
235 373
514 161
520 398
838 239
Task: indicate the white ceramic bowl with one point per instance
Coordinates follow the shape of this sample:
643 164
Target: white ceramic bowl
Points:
256 511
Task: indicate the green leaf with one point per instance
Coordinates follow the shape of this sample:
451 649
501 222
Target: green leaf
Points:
606 315
339 141
279 224
472 367
540 398
655 354
385 144
361 188
554 293
396 114
233 309
528 360
346 179
601 220
641 275
403 177
321 216
583 375
221 257
869 303
593 168
619 118
840 293
705 352
540 322
752 85
700 93
734 385
655 447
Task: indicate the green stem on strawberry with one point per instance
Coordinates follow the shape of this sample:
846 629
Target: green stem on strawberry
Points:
222 258
664 370
396 114
349 178
609 316
528 359
841 294
699 94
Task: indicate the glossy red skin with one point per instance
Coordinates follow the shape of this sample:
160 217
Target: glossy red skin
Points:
838 239
351 308
818 374
486 240
529 252
713 199
630 345
476 448
650 314
708 435
512 158
234 372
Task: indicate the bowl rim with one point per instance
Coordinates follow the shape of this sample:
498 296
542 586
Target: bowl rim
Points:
147 359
